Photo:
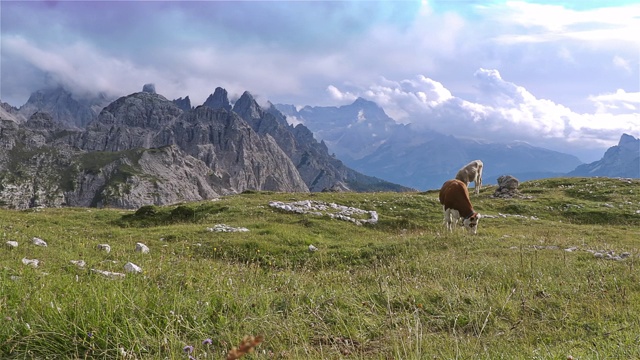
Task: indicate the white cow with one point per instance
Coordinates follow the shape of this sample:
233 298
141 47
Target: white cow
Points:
472 172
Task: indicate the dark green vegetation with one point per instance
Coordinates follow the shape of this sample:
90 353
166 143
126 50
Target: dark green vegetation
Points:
400 289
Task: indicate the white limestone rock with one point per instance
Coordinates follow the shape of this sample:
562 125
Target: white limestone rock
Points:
38 242
79 263
104 247
31 262
12 244
109 274
142 248
132 268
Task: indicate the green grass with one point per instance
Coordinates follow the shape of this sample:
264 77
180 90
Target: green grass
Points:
400 289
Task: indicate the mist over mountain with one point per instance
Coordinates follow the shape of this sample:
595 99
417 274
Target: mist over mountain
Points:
65 107
144 149
373 143
139 149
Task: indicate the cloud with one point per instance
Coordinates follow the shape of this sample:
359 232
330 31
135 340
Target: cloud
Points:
505 111
620 102
621 63
340 96
529 22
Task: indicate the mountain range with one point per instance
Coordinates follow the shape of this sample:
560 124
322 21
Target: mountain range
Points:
366 139
143 149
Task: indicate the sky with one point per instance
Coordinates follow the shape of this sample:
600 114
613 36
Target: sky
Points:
562 75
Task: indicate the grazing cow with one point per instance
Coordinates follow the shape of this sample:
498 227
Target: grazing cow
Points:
471 172
456 204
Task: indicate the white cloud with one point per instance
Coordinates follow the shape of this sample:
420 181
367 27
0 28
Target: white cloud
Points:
506 112
621 63
529 22
340 96
618 102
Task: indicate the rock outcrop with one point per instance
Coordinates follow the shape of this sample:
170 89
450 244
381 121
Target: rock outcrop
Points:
64 107
622 160
507 187
143 149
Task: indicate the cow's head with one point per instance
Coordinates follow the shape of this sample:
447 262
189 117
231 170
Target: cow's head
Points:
471 222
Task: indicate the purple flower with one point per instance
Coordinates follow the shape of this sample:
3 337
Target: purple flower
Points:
188 349
90 334
207 342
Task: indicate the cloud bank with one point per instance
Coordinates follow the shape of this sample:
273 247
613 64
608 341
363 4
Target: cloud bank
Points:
504 111
572 69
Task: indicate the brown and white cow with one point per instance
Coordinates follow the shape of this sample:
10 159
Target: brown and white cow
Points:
472 172
454 197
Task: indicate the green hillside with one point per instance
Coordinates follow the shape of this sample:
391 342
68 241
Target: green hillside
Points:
549 275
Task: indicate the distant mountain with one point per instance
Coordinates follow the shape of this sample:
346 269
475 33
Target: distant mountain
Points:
371 142
144 149
350 131
64 107
622 160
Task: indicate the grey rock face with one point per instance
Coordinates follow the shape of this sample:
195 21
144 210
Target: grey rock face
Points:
64 107
507 187
218 100
183 104
143 149
622 160
149 88
316 166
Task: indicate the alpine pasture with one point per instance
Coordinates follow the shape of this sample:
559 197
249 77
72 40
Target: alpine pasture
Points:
550 275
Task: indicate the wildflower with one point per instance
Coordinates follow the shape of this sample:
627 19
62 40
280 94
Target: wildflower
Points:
188 349
207 342
90 334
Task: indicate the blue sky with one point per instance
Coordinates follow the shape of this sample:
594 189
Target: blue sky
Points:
563 75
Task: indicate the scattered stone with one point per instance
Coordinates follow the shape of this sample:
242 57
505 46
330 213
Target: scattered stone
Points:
140 247
133 268
109 274
332 210
598 255
312 248
105 247
571 249
79 263
12 244
38 242
31 262
226 228
625 255
607 205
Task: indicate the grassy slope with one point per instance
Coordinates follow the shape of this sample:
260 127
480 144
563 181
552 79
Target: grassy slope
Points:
400 289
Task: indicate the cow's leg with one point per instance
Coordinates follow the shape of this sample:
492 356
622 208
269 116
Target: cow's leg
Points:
447 218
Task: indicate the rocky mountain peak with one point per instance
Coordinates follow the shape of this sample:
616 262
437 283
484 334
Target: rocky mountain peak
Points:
40 120
143 110
622 160
149 88
183 104
247 107
63 106
218 100
628 141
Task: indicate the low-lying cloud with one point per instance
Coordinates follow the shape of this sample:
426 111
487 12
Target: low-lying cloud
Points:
504 111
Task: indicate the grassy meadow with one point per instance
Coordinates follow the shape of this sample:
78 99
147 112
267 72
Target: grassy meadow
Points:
528 286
